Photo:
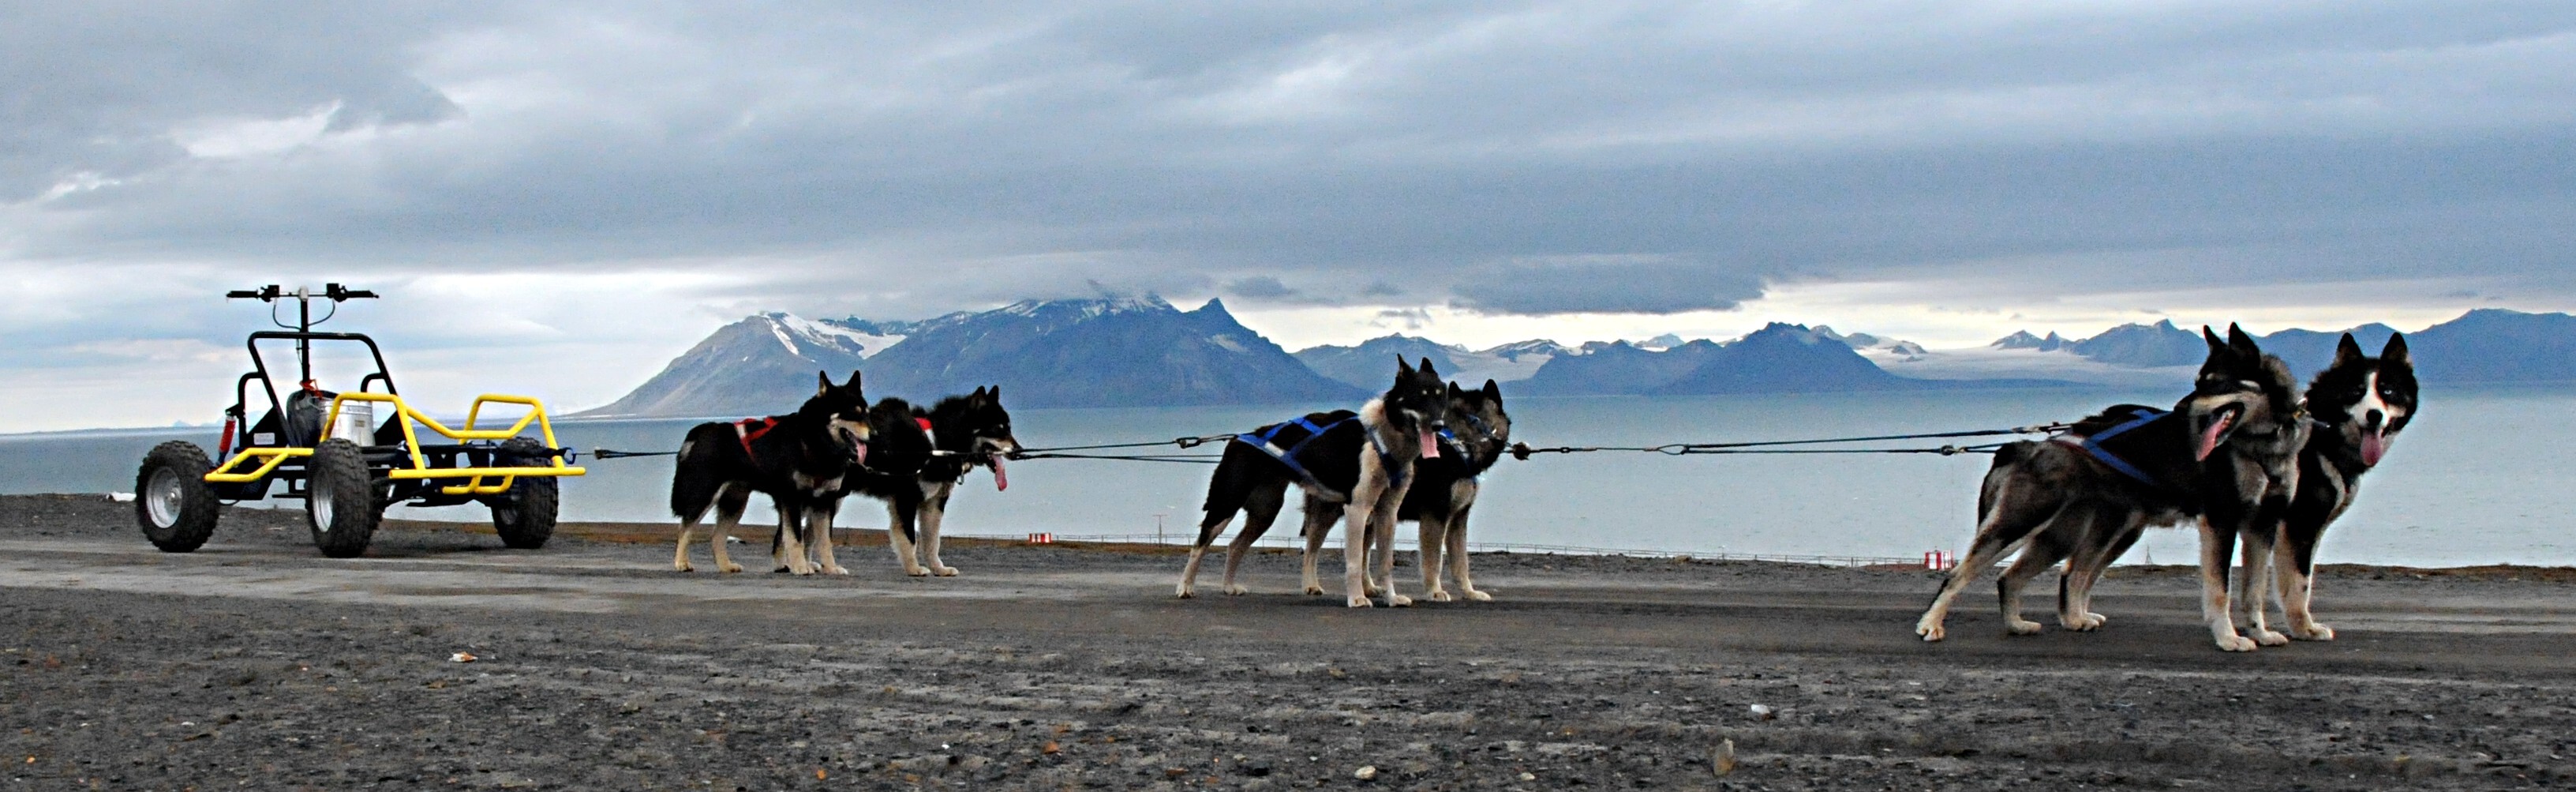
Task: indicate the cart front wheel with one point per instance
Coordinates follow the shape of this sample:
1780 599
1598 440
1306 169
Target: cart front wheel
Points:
340 502
171 499
525 515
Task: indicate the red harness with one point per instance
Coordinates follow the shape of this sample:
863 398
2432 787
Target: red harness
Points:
750 429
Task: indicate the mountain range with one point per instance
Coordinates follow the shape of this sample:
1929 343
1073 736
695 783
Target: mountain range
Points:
1130 351
2483 345
1142 351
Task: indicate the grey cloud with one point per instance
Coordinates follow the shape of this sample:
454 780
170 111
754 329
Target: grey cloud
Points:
908 160
1260 287
98 88
1604 287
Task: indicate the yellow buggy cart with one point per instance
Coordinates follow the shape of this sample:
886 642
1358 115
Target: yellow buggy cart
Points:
350 455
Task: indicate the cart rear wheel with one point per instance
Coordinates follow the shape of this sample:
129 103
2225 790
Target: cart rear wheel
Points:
341 503
525 515
171 499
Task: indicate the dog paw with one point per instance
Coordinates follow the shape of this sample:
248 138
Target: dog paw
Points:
2087 622
945 571
1437 595
1372 589
1184 592
837 570
1394 600
1931 631
1359 602
1313 590
2312 632
916 571
2022 627
1478 595
2270 638
683 566
2235 643
1236 591
731 569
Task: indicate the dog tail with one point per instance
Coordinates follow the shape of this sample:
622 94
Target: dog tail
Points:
2009 454
695 478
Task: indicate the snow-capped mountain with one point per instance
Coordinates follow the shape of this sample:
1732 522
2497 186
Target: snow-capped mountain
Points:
1371 363
751 367
1134 351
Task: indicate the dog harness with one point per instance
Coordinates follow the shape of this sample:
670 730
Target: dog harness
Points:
1266 439
746 431
2092 444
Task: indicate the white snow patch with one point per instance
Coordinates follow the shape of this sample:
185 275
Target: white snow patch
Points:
1992 363
863 344
1228 343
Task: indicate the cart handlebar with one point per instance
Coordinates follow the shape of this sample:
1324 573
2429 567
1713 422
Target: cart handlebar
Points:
330 291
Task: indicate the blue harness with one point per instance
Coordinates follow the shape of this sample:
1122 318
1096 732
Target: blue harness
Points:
2093 445
1266 439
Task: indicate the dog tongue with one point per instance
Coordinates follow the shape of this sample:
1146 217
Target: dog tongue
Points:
2373 444
1430 446
859 454
2209 436
1001 480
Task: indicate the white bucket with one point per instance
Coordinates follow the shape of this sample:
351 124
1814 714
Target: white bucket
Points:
357 423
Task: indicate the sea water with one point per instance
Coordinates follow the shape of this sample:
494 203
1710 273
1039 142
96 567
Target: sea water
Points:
2479 478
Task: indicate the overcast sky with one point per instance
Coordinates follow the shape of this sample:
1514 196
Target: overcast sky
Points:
559 197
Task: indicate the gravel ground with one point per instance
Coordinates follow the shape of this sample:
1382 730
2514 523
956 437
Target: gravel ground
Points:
254 663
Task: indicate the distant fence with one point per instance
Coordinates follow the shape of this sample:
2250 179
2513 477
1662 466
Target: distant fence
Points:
1289 540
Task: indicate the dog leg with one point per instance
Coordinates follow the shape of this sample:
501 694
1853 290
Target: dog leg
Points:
729 506
1319 521
934 507
2216 544
2253 585
1357 516
1190 570
1999 529
2297 584
899 536
1457 538
1434 539
818 522
680 556
1382 532
1259 511
2093 556
2044 551
791 544
688 526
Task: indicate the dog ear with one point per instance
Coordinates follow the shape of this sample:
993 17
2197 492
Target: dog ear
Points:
1403 370
1493 392
2395 352
2347 350
1427 370
853 384
1455 391
2243 343
826 386
2215 345
977 397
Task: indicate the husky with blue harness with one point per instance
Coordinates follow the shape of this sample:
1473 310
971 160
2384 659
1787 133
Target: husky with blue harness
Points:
2225 454
1444 490
1356 466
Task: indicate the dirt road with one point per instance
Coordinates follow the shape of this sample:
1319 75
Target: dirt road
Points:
254 663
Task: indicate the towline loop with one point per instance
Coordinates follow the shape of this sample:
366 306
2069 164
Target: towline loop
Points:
1522 451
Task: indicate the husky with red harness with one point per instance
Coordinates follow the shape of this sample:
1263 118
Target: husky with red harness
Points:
965 432
798 460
